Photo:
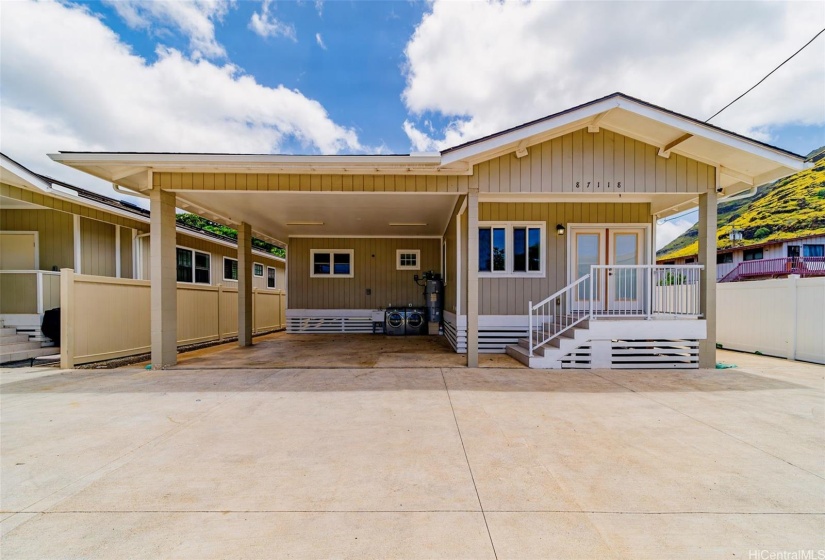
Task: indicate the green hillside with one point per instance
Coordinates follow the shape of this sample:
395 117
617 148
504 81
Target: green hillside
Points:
788 208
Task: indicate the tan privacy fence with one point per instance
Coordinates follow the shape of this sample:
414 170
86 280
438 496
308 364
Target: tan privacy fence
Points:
104 318
784 318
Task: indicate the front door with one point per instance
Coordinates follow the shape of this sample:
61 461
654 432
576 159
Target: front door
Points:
615 290
625 290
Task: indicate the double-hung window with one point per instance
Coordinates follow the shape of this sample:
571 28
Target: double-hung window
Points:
270 277
335 263
230 269
511 249
192 266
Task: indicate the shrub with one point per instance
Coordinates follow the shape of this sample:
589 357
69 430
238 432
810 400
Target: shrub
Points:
761 233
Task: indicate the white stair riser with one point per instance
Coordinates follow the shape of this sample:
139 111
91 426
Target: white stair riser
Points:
18 346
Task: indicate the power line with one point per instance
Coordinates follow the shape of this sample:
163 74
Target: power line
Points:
768 75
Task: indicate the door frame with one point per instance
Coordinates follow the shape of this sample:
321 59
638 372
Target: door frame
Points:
36 235
606 229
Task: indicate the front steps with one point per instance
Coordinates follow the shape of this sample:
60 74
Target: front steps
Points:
16 346
555 353
618 344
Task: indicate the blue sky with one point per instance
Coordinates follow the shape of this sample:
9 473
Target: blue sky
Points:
386 77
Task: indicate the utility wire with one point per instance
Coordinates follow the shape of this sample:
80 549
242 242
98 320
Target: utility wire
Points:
768 75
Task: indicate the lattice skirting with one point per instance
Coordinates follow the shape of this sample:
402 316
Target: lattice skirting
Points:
331 321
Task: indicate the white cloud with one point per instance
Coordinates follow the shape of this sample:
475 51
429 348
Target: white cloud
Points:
98 95
672 228
320 41
195 19
491 65
319 7
267 25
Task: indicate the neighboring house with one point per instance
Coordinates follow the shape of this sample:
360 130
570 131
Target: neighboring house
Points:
47 225
543 232
772 259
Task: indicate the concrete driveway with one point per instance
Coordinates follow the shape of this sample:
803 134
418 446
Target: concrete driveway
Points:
413 463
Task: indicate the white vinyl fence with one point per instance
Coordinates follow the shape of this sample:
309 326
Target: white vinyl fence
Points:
784 318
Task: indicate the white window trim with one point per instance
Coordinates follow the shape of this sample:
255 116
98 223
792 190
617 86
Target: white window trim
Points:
275 278
263 270
508 248
332 252
416 252
194 251
223 269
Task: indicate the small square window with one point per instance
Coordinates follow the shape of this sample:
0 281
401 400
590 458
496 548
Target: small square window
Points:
408 259
258 270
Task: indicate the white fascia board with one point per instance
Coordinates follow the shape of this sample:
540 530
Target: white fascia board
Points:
252 163
24 174
711 133
515 136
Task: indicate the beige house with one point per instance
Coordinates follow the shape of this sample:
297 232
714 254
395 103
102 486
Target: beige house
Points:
47 226
544 233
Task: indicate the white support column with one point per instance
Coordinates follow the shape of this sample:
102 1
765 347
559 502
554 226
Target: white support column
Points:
77 244
163 278
244 285
117 251
472 279
707 284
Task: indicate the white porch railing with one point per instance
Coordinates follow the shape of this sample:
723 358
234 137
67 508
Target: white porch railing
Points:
645 291
617 291
558 313
28 291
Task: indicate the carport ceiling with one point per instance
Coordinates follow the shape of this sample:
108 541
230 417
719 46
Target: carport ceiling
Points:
327 214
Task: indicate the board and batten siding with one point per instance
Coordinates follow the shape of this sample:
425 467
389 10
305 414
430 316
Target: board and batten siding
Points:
97 248
601 162
374 269
309 183
216 253
580 161
509 296
55 234
126 257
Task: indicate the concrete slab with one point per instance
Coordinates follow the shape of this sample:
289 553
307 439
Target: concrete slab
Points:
304 441
386 462
640 536
252 535
284 350
563 441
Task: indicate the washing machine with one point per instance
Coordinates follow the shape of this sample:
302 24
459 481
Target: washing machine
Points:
395 321
416 320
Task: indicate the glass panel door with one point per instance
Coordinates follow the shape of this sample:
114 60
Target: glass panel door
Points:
588 249
625 291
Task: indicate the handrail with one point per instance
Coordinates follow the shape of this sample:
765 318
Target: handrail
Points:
571 311
781 266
